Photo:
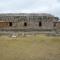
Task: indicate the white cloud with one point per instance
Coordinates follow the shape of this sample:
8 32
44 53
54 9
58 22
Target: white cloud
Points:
27 6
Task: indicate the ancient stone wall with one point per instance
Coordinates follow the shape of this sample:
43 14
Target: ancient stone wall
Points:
21 22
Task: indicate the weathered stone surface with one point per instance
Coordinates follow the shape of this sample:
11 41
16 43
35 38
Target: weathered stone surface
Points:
28 22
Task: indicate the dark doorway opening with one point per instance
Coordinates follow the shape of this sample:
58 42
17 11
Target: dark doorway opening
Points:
54 25
40 24
25 24
10 23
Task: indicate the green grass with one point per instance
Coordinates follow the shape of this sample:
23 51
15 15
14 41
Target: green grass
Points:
38 47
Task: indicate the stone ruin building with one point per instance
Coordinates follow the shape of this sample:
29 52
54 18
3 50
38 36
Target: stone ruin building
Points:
29 22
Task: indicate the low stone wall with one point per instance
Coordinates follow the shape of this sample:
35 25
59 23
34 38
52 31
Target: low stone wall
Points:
23 33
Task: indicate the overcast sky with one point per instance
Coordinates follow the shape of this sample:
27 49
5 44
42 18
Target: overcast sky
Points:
29 6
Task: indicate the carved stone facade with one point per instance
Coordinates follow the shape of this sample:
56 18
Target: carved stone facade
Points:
28 22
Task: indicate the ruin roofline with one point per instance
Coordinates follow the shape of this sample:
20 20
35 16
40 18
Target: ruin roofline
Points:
26 14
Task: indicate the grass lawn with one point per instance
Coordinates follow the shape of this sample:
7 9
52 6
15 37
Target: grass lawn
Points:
38 47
